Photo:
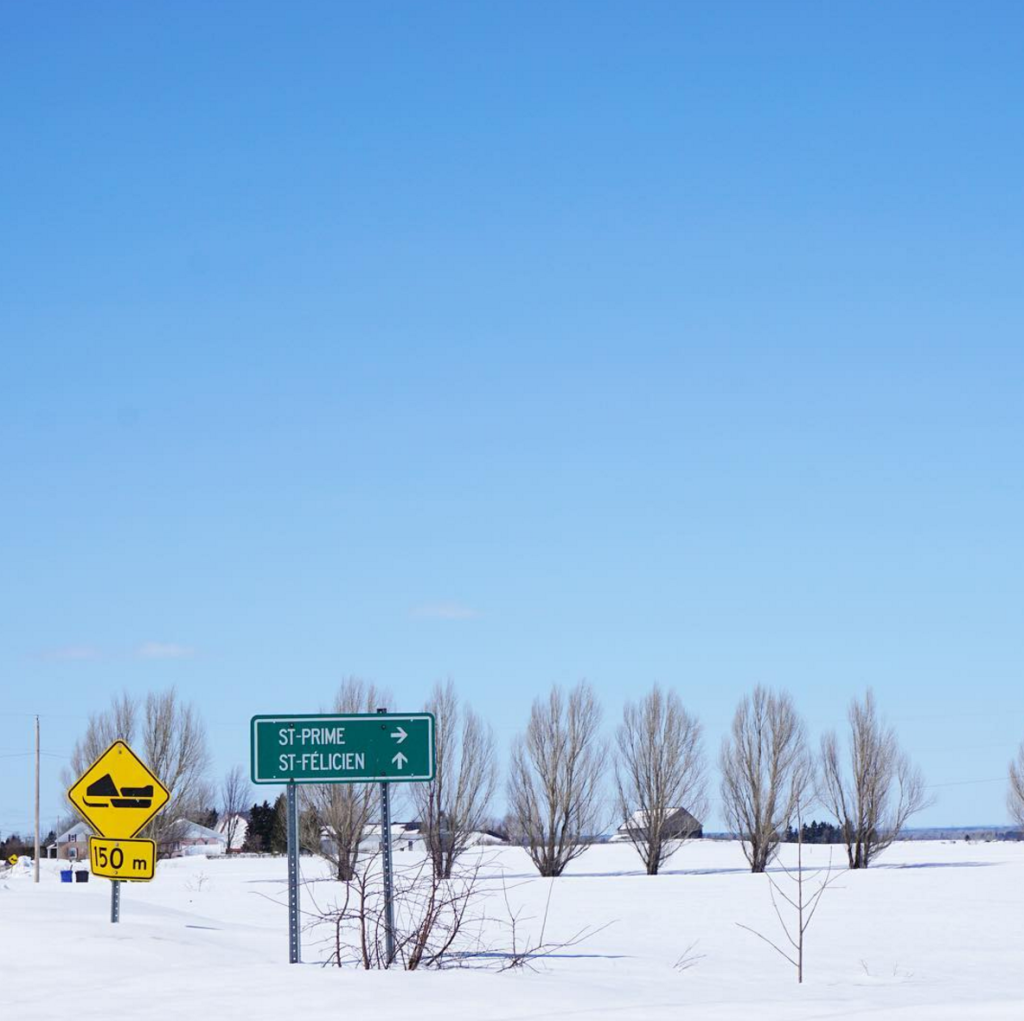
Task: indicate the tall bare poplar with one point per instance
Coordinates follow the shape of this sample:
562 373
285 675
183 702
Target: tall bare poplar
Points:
170 738
766 771
118 723
1015 796
661 777
235 792
875 789
342 811
453 806
554 789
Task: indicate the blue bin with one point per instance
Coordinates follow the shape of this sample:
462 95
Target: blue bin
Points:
66 875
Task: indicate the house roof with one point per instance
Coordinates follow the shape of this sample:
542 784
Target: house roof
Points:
188 830
674 815
398 829
78 830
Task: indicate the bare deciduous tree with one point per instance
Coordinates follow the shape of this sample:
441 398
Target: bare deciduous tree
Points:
174 743
765 772
554 789
1015 797
803 904
660 769
169 736
453 806
876 791
343 811
235 792
118 723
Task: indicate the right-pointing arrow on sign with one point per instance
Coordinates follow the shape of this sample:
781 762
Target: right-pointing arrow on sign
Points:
399 760
400 735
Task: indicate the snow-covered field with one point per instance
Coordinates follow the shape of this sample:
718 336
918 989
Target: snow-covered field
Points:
935 931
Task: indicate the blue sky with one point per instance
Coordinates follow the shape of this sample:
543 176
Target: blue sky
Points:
516 343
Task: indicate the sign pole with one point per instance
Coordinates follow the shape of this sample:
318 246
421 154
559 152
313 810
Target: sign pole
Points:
389 899
35 863
294 938
115 900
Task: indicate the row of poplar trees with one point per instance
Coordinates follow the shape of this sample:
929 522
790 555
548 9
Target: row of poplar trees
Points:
558 798
566 781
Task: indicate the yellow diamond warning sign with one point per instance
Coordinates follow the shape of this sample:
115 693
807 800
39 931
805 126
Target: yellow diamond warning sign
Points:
117 795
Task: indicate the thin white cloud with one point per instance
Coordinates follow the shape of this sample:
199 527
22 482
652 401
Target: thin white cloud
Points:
72 653
164 650
444 611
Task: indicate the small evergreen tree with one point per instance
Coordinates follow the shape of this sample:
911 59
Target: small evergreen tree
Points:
261 824
279 826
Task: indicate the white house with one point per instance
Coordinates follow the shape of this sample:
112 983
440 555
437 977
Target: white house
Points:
191 838
241 829
72 845
408 835
404 836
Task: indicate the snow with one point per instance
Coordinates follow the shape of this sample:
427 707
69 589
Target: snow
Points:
934 931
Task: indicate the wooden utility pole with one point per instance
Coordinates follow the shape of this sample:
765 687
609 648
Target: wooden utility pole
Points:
36 859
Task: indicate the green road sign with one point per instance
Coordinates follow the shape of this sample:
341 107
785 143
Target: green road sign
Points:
363 748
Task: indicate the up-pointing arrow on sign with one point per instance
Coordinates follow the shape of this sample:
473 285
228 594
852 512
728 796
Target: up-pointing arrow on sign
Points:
400 735
399 760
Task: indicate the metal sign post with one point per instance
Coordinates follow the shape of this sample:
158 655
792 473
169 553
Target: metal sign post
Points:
294 937
115 900
389 899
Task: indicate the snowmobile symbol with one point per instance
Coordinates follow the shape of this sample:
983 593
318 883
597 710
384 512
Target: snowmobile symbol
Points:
127 797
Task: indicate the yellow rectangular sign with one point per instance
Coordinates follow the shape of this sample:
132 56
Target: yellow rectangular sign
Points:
117 795
133 860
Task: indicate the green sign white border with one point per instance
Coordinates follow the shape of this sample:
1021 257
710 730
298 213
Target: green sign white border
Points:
386 718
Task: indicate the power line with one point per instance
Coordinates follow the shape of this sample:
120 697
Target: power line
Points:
44 716
964 783
21 755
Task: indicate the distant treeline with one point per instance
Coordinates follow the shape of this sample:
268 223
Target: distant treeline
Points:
15 844
815 833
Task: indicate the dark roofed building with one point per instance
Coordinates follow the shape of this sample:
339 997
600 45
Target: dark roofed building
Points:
680 825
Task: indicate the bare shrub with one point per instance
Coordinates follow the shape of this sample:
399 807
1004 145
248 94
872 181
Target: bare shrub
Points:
431 917
689 958
765 772
554 788
875 792
337 814
196 883
659 771
439 923
523 950
453 806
